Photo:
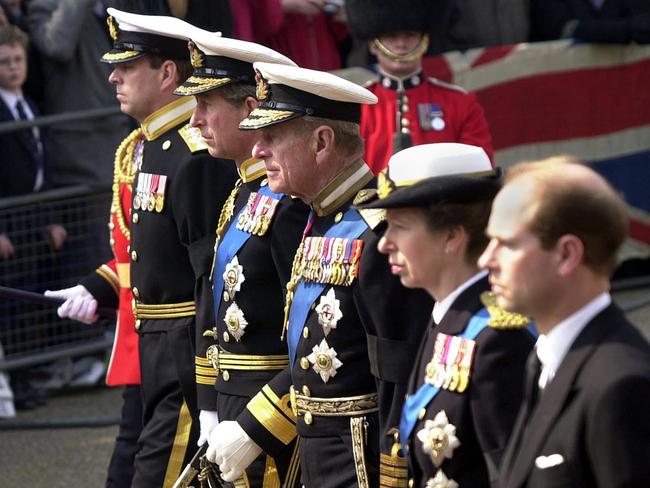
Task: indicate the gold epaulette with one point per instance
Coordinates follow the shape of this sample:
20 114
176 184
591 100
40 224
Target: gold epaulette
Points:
500 318
192 137
372 216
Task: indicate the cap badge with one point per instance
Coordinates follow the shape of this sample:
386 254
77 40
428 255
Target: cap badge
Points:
113 30
262 90
385 185
197 57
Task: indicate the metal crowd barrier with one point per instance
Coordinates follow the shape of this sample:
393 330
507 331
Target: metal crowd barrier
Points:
32 334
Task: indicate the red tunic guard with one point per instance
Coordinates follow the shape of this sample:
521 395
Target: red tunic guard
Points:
431 111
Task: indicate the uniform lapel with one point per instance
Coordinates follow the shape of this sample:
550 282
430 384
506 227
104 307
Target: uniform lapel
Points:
466 305
553 399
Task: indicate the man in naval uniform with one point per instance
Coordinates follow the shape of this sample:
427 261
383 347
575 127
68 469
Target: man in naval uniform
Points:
239 347
311 147
413 109
178 191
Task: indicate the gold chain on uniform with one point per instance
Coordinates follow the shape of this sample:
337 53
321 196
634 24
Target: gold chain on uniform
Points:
227 212
124 172
296 276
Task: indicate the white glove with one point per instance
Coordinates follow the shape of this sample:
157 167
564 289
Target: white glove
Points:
208 420
232 449
79 304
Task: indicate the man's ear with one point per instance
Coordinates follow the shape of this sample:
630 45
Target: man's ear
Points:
168 74
569 251
251 104
323 139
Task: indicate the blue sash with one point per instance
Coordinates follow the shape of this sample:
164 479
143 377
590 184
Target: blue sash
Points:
350 227
229 246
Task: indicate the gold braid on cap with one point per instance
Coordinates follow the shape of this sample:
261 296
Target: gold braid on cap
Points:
385 185
113 30
416 53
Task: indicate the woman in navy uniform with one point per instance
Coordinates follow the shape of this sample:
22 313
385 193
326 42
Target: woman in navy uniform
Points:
466 386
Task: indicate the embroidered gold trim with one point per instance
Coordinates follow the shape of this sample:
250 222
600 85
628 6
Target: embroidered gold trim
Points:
165 114
336 407
345 177
248 173
192 137
262 116
271 475
500 318
198 84
243 362
294 466
359 431
393 471
120 56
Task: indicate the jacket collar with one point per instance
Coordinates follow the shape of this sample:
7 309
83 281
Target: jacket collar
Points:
394 83
342 188
167 117
251 170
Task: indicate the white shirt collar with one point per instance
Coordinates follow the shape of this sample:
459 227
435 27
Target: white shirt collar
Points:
553 347
441 307
10 100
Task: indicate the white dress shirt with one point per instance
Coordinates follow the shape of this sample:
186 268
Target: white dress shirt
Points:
553 347
441 307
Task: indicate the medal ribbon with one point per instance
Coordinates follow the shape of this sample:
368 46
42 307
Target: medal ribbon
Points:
229 246
351 226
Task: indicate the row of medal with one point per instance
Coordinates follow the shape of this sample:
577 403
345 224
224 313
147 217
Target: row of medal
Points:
150 192
331 260
256 217
451 363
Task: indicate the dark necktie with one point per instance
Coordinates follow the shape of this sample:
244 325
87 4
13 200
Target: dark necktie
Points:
29 136
531 386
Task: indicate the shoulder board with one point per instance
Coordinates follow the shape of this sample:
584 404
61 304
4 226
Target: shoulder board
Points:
500 318
449 86
192 137
373 216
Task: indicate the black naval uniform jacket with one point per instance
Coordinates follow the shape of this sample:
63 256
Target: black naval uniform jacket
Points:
590 426
171 248
250 360
365 301
485 412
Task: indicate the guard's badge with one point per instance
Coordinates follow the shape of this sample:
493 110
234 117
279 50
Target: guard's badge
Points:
500 318
431 116
113 29
329 311
438 438
235 321
331 260
197 58
256 217
324 361
233 277
262 89
440 480
451 364
385 185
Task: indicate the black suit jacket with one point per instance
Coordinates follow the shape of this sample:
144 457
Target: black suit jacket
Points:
484 414
19 167
594 414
